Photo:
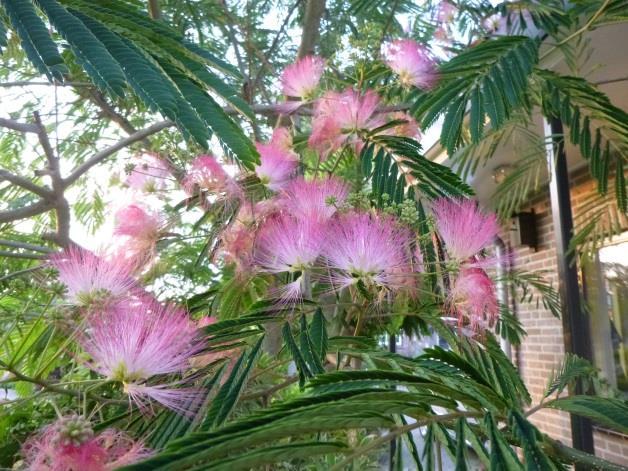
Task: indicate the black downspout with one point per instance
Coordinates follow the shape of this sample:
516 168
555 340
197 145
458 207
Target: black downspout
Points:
392 347
575 323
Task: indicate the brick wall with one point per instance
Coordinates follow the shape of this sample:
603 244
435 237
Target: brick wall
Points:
543 348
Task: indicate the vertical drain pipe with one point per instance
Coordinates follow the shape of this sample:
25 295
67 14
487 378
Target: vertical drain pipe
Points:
503 270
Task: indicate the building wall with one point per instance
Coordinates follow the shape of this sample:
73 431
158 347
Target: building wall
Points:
543 348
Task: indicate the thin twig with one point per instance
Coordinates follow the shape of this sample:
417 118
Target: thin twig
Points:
121 144
25 245
24 183
28 256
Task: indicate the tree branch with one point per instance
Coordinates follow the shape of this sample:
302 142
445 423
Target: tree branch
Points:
24 183
153 9
60 204
17 126
121 144
24 212
314 10
25 245
29 256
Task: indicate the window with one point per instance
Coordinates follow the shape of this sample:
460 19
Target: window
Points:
607 296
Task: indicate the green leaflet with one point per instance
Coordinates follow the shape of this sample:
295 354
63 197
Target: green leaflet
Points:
90 52
34 37
492 76
607 411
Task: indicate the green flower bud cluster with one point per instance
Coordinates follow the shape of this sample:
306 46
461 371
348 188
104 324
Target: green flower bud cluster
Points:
73 431
406 210
359 200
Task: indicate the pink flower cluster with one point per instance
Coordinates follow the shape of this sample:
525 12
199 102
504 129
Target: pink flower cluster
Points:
466 232
70 444
130 337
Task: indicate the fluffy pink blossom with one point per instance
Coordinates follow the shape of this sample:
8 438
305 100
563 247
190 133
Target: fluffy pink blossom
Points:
150 173
133 344
140 229
287 244
412 62
277 166
91 280
338 116
300 79
69 444
314 199
367 249
473 301
208 175
290 245
464 228
446 12
138 222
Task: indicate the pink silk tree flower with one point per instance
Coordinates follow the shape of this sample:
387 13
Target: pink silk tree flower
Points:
281 139
446 12
149 174
91 280
300 80
289 245
138 222
207 174
368 251
135 343
464 228
412 62
314 199
70 444
277 166
473 301
338 116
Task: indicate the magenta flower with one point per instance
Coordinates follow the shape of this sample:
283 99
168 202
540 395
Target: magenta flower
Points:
464 228
208 175
371 250
133 344
149 174
314 199
300 79
91 280
412 62
472 300
277 166
69 444
289 245
338 116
